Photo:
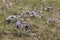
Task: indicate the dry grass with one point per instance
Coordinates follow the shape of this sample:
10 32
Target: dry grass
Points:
42 30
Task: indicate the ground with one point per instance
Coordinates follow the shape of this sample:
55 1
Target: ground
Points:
39 28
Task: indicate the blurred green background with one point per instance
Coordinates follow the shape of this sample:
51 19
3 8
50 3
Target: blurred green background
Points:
39 29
